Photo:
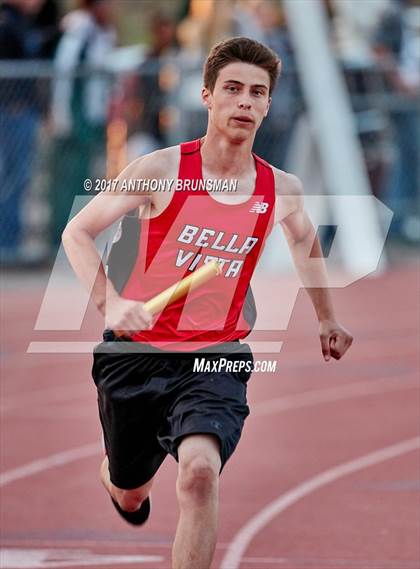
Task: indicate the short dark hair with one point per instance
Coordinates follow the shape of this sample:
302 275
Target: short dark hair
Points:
240 49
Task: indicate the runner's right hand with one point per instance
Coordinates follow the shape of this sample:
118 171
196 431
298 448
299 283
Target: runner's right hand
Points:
125 316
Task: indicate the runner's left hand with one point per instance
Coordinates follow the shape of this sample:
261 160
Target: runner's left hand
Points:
335 340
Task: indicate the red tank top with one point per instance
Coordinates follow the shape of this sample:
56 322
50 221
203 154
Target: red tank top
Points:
192 230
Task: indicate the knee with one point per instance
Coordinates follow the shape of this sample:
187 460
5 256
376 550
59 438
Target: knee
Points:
197 479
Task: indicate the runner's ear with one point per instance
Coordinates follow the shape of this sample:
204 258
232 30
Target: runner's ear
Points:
206 97
268 107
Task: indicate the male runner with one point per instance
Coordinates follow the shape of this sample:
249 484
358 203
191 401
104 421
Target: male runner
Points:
151 402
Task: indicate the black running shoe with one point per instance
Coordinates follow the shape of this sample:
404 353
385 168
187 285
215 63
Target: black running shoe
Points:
138 517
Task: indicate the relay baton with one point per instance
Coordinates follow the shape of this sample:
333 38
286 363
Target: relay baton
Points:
180 289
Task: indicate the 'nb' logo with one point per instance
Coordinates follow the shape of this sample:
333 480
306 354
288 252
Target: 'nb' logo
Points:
259 207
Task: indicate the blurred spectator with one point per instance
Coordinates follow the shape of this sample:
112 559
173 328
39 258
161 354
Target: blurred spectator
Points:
264 21
246 20
354 23
80 104
219 23
150 89
19 119
191 34
45 34
397 46
204 23
141 98
47 30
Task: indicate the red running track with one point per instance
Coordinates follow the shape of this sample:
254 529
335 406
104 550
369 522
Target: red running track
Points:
326 475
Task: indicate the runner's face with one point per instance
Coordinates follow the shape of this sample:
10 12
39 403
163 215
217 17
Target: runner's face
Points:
240 100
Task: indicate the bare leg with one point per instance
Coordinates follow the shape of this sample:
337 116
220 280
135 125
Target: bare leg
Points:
128 500
197 491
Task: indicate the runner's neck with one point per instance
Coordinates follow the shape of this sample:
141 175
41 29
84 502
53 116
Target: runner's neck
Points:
226 160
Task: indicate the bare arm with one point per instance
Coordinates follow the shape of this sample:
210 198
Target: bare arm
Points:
307 255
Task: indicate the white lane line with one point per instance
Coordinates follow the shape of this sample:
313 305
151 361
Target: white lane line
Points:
311 563
54 558
247 533
297 401
51 461
330 394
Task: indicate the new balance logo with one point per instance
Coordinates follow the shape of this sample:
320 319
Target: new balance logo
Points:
259 207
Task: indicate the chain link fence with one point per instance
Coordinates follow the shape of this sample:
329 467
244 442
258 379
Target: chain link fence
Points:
58 130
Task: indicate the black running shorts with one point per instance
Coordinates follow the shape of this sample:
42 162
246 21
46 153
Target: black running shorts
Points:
149 401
